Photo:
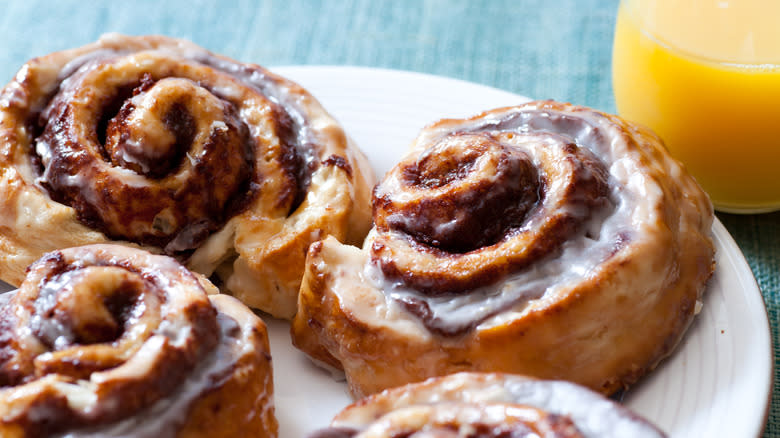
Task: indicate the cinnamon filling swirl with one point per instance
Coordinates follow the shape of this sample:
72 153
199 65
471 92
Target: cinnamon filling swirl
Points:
517 422
96 334
162 150
472 190
105 340
475 405
488 201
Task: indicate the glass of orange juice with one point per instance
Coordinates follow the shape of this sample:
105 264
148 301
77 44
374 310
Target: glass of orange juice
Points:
705 76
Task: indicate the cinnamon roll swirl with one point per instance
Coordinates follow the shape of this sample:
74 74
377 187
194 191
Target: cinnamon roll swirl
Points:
545 239
156 142
105 340
488 406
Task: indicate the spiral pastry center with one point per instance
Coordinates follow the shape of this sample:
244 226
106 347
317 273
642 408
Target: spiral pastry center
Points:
463 420
470 189
154 129
162 149
114 332
487 405
89 306
483 204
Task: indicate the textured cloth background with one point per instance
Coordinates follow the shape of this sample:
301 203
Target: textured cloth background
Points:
540 49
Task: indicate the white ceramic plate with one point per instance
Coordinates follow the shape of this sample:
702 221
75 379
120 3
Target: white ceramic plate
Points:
717 384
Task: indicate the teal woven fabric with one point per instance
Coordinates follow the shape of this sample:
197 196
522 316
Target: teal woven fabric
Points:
537 48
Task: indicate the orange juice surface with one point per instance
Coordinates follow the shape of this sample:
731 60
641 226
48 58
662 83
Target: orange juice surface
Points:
705 76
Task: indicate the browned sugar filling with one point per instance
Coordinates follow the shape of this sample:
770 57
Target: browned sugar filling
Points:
552 426
334 432
466 218
300 156
549 426
84 318
223 179
454 208
165 158
547 185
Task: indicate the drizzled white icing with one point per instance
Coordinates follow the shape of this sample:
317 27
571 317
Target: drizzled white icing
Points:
165 417
594 415
278 92
248 88
579 257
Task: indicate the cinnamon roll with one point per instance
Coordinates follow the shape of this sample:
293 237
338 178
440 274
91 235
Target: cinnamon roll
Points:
488 405
544 239
105 340
156 142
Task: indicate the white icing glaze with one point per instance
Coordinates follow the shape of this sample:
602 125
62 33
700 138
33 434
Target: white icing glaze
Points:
579 257
165 417
486 395
239 88
238 338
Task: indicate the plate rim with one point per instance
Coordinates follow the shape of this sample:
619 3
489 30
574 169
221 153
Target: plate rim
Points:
737 257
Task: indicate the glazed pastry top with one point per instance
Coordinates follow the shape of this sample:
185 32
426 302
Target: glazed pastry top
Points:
489 405
496 212
158 141
107 338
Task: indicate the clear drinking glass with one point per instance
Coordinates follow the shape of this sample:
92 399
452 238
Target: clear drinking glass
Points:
705 76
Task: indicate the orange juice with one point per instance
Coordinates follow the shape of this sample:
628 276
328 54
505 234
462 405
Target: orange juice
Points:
705 76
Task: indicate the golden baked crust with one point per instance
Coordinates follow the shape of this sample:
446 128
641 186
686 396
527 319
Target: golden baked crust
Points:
156 142
592 276
106 340
488 405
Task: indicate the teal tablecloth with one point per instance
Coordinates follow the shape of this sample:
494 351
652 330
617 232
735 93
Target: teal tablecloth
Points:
542 49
